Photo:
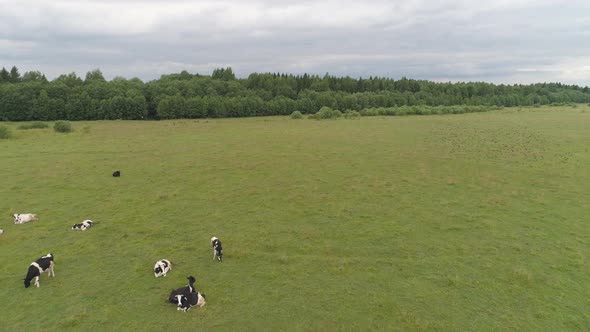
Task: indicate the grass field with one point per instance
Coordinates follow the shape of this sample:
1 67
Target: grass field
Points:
457 222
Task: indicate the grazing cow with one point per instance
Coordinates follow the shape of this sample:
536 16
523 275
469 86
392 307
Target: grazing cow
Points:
162 267
217 249
116 174
83 226
1 231
43 264
21 218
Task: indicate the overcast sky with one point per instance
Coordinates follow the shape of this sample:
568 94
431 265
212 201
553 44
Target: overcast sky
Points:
500 41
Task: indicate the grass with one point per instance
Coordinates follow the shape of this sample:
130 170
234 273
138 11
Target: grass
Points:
456 222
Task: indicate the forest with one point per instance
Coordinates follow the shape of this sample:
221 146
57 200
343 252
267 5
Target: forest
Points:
31 96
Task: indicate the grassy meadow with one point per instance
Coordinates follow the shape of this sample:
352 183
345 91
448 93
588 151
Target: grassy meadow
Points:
446 222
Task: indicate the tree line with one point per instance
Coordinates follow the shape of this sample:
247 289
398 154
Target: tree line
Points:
32 96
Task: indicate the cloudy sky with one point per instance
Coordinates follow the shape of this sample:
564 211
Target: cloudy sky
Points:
500 41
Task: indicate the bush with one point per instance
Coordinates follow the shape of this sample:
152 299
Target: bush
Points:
296 115
368 112
5 132
34 125
62 126
352 115
423 110
326 113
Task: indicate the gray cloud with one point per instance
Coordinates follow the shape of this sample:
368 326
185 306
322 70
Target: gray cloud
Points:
516 41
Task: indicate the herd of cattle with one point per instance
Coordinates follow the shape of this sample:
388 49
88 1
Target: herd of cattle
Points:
184 298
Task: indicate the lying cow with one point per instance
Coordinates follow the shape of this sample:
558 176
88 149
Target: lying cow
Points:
43 264
187 297
162 267
186 302
186 290
83 226
21 218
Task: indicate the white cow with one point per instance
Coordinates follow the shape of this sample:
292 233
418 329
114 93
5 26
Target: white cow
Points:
21 218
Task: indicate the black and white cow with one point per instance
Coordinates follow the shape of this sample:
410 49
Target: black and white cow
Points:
21 218
187 297
43 264
217 249
83 226
162 267
193 299
116 174
186 290
182 302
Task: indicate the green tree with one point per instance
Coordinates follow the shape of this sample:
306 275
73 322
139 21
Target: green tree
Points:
14 75
70 80
94 76
172 107
41 107
225 74
196 107
4 76
34 76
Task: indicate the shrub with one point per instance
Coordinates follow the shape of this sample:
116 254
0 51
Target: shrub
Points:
296 115
62 126
34 125
423 110
326 113
352 115
369 112
390 111
5 132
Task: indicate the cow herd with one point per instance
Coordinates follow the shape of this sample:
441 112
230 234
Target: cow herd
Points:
184 297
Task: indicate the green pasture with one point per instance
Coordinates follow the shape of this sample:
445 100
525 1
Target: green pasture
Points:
470 222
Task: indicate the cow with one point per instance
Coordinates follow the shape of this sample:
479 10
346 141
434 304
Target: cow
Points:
43 264
162 267
193 299
186 290
117 174
86 224
187 297
22 218
217 249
